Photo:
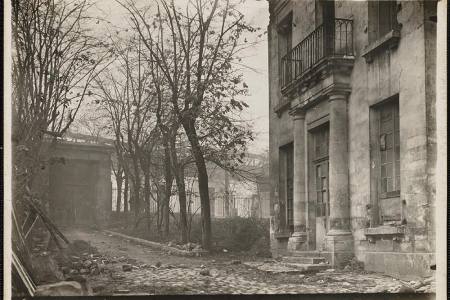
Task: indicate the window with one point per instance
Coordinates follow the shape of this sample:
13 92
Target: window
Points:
382 18
389 134
322 204
290 187
385 156
321 144
320 163
284 48
285 35
287 183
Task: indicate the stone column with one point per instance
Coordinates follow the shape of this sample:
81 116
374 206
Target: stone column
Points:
298 240
339 236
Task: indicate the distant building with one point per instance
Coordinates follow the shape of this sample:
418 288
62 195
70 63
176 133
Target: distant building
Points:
77 181
231 195
352 132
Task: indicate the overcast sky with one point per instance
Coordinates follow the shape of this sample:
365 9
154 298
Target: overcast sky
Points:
257 14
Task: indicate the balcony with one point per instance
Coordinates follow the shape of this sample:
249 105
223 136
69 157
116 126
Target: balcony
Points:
326 42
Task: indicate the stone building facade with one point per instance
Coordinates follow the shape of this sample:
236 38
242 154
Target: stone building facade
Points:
352 132
77 182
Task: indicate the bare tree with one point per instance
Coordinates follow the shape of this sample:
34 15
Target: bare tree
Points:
194 50
55 60
125 92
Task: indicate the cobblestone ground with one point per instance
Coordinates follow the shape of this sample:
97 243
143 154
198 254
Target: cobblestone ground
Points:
156 272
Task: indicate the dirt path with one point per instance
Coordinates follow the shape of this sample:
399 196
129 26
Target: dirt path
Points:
115 246
157 272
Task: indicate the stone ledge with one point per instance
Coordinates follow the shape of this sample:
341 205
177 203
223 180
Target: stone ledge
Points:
390 40
324 68
384 230
405 266
282 106
282 235
157 245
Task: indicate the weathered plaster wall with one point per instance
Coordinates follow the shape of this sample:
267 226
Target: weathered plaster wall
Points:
402 71
430 94
408 71
100 156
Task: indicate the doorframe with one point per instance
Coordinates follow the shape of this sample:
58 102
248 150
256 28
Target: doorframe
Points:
313 127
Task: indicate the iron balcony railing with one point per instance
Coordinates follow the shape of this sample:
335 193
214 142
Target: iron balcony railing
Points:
316 46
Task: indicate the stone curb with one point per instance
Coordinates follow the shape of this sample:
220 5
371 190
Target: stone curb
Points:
156 245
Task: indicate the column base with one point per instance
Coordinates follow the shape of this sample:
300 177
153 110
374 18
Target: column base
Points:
298 242
340 244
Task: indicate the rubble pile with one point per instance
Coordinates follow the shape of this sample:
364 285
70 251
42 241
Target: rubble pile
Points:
427 285
80 258
354 265
186 247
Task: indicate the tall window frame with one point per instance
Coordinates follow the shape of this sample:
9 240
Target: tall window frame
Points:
287 185
285 46
385 162
382 18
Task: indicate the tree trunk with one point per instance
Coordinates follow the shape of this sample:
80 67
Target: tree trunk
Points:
168 176
189 127
158 212
181 187
136 189
125 195
147 198
119 181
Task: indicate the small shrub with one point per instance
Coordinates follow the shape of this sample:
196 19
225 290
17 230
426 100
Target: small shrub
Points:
234 234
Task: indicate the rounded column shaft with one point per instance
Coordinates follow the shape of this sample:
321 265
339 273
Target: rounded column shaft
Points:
299 174
338 170
299 237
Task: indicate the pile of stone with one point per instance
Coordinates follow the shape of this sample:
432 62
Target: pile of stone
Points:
86 264
187 247
427 285
354 265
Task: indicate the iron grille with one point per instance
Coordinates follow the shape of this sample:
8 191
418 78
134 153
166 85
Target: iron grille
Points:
316 46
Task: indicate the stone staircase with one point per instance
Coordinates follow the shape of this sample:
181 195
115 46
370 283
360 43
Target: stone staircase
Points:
305 261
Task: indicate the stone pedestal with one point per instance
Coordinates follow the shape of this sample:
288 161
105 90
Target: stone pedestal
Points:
298 240
340 247
339 239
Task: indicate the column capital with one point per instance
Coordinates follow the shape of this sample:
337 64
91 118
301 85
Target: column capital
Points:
297 113
338 95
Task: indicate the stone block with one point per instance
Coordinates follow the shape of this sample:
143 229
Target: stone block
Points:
297 242
304 260
421 246
407 266
64 288
341 249
405 246
383 245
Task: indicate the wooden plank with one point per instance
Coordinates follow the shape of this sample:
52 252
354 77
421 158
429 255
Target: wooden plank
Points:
23 274
48 223
31 226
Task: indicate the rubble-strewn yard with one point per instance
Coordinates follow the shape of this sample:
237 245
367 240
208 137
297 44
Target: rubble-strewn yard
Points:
122 267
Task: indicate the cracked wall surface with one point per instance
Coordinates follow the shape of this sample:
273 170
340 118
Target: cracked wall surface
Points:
407 70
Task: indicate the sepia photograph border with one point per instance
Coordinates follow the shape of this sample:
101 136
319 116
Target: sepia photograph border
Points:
441 165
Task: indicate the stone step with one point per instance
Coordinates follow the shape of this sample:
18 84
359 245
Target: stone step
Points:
305 253
306 268
304 259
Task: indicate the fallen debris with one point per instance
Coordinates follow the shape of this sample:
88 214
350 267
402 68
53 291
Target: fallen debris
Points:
63 288
127 268
205 272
